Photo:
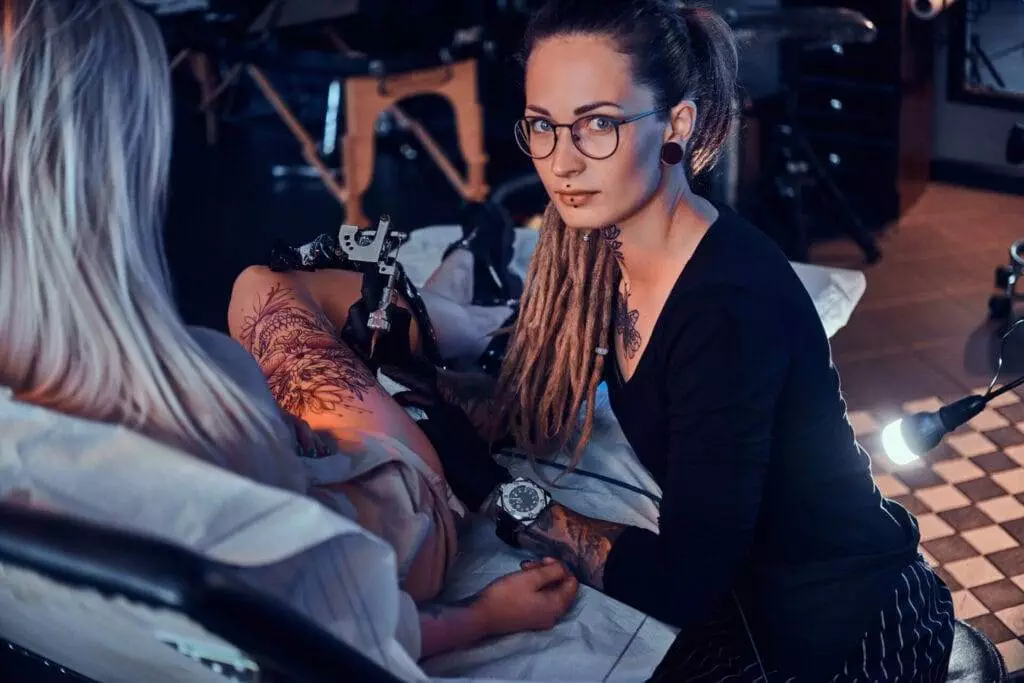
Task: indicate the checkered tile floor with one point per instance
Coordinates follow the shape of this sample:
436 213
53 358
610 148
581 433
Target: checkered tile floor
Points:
968 496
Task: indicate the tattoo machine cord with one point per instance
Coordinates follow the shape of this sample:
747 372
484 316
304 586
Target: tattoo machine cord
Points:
585 473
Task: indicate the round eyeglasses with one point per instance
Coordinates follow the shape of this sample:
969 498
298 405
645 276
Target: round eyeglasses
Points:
595 135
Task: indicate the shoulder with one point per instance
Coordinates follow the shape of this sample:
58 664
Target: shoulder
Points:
218 345
741 276
230 358
737 253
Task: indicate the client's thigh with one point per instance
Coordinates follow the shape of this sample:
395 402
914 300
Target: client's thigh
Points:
312 373
315 376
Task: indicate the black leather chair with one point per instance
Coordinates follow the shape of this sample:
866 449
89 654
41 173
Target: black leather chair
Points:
975 659
281 641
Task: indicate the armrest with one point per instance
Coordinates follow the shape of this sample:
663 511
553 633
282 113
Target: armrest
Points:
162 575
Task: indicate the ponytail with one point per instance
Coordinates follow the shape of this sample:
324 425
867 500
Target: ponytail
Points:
715 60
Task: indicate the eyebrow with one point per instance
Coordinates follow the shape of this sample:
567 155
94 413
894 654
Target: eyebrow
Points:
578 110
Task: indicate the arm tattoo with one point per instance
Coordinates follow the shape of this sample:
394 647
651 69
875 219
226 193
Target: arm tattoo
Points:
625 321
308 367
581 542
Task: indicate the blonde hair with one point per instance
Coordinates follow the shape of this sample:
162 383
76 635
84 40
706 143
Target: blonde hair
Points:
552 368
87 320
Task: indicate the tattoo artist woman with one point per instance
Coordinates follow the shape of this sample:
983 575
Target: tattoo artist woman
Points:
717 367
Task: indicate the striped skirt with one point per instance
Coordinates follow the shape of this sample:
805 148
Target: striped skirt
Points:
909 642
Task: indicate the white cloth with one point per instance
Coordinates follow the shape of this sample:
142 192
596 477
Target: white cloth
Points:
835 291
291 546
320 562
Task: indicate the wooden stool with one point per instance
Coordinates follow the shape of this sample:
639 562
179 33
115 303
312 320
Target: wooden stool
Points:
369 96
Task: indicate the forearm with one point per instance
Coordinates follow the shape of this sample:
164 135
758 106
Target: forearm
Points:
471 392
445 628
581 542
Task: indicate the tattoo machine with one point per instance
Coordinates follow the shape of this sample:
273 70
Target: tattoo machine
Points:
370 251
379 249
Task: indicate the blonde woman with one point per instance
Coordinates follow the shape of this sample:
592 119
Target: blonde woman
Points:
87 323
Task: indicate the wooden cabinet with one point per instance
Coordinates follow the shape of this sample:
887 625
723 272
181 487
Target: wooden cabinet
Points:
867 109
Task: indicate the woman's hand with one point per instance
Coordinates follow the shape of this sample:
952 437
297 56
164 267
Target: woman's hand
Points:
533 599
529 600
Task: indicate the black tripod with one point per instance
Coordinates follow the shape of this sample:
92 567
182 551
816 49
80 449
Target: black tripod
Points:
795 169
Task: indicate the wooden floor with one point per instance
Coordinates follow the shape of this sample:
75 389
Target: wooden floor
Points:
920 337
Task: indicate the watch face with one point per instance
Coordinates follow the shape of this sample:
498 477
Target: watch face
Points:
523 499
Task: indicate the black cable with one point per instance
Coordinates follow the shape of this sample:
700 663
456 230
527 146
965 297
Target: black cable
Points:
1006 387
584 473
991 392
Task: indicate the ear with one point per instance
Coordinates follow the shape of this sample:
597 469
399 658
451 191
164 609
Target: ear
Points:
682 121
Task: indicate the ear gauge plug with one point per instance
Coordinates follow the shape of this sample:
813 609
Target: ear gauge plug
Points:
671 153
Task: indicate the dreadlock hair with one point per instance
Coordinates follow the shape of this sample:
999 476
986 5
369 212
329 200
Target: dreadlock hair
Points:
552 368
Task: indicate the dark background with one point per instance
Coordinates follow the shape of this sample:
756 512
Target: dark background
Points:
227 205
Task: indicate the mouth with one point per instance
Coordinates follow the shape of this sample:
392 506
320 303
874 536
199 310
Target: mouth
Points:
576 198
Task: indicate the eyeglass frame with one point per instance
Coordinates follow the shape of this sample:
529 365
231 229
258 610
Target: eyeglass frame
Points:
615 121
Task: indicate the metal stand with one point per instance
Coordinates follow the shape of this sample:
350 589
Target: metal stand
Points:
1000 306
978 58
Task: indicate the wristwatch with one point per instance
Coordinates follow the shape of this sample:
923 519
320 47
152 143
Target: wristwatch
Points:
519 504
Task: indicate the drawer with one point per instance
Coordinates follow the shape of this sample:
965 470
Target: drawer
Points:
846 109
856 158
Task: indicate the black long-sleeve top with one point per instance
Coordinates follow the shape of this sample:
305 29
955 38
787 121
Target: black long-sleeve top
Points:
735 408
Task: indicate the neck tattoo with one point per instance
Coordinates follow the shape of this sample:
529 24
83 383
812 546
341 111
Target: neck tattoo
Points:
624 318
611 236
625 321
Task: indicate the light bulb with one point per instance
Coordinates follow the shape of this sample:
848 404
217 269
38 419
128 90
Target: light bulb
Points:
895 445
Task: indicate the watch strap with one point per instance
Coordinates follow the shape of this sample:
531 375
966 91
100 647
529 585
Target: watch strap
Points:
507 527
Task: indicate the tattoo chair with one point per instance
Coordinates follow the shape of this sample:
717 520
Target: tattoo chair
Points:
284 644
975 659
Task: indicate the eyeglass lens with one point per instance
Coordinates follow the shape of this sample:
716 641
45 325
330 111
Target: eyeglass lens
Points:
595 136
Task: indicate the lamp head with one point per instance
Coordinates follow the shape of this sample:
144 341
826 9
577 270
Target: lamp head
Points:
907 439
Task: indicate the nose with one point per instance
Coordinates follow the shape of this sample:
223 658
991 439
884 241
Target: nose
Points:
566 160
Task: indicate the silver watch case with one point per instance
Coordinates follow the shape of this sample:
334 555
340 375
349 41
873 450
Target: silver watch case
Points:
523 500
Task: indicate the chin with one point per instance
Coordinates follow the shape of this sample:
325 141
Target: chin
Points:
584 218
